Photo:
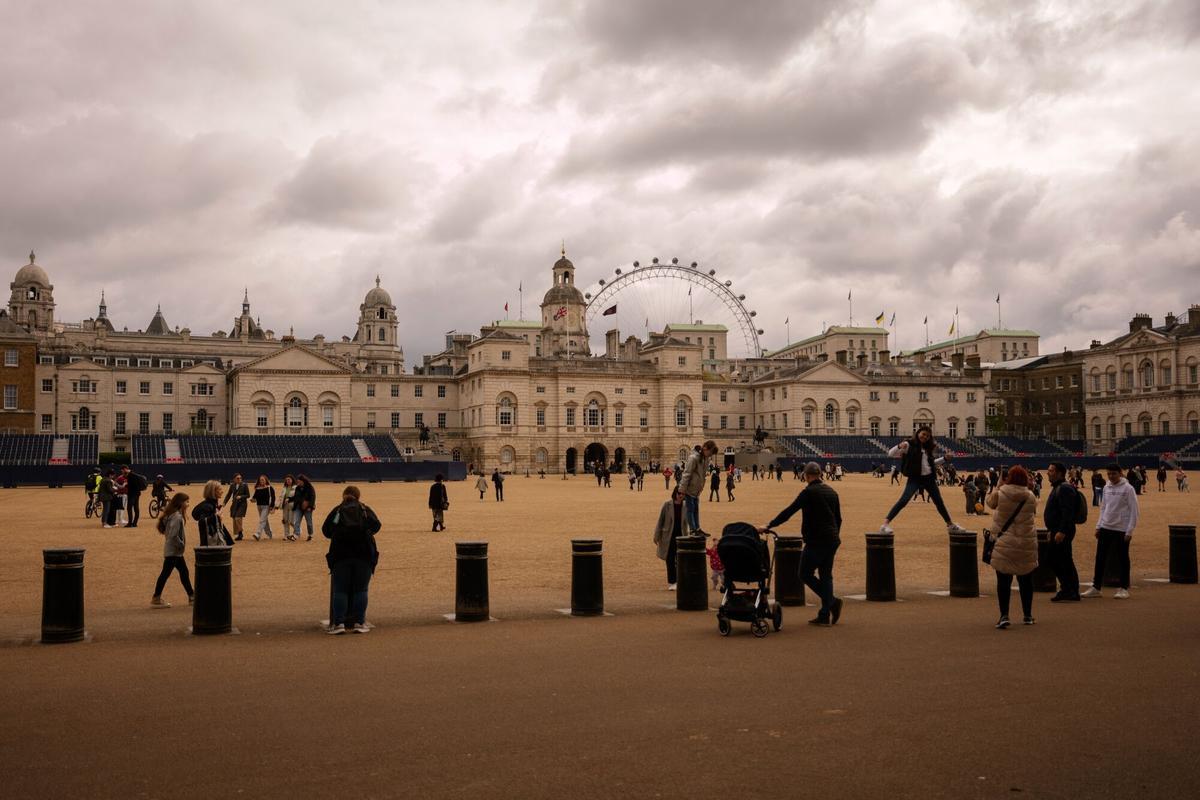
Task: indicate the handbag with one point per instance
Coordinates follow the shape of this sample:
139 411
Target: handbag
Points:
989 542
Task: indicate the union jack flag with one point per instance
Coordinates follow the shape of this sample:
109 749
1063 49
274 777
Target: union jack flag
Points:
562 312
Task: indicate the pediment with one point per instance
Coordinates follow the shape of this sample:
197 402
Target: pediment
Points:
1142 338
296 358
830 372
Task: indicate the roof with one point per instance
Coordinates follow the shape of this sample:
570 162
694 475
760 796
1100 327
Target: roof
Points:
10 329
674 326
1018 363
973 337
522 324
832 330
158 325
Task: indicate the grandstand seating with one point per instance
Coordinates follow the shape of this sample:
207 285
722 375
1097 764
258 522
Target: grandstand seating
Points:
84 448
1029 447
846 445
272 449
1156 445
383 447
21 449
149 450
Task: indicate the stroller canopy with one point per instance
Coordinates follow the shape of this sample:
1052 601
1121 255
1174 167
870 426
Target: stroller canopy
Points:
743 553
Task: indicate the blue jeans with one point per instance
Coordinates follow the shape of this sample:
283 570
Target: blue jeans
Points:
299 515
1096 495
349 580
692 506
816 570
929 484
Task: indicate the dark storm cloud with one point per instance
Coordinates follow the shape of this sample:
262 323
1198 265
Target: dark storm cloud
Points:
856 108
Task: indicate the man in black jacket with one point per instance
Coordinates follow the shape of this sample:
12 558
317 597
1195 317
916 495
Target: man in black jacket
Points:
135 484
352 556
1059 517
821 528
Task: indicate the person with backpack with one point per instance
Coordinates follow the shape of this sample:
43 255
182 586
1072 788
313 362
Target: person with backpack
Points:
439 501
135 484
1013 546
1064 508
170 525
207 514
352 557
304 502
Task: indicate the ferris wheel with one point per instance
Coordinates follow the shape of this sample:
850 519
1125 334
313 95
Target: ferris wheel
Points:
651 296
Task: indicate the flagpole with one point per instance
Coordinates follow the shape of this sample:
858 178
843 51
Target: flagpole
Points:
999 317
787 324
927 330
850 299
521 295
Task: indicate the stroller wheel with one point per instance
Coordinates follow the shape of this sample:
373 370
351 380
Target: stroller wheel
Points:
759 628
723 626
777 619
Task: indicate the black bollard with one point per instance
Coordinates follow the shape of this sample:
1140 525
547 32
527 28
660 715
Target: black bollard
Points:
881 567
1182 553
587 578
964 564
1043 574
471 582
789 589
212 612
62 596
691 571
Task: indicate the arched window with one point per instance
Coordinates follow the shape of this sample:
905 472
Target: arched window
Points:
506 455
593 415
1164 374
644 455
504 411
382 313
383 334
541 455
295 413
830 416
1147 375
681 414
32 317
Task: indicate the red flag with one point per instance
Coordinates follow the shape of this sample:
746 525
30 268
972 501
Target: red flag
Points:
506 306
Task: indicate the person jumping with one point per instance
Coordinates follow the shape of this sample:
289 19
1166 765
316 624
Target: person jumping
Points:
918 463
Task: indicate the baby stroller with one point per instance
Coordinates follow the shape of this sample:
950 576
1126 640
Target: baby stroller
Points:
747 560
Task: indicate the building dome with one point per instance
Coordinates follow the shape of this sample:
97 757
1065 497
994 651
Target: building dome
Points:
32 273
564 263
378 296
563 293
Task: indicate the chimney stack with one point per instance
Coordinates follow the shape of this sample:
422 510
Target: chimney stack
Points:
956 360
1139 322
885 356
612 344
974 361
840 355
919 359
1171 320
1194 316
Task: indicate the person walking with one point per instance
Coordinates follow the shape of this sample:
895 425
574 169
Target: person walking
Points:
970 493
672 523
1097 487
264 501
754 472
170 525
135 484
1161 476
667 473
286 497
918 459
498 482
895 475
304 503
692 482
239 502
1181 481
1114 530
1014 552
729 485
439 501
821 529
207 515
1059 514
352 557
714 485
1135 479
106 493
481 485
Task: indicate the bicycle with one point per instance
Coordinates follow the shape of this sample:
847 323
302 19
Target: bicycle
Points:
92 507
155 508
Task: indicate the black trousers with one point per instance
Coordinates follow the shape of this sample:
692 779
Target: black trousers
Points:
171 563
1004 592
816 570
135 507
1062 561
1111 544
499 491
671 551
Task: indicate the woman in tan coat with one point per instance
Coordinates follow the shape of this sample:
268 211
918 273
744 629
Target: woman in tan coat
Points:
1015 552
672 523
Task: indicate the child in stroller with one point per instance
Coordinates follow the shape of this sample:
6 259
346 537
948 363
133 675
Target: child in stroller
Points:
747 560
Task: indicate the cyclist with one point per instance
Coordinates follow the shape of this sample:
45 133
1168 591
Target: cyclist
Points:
159 490
91 484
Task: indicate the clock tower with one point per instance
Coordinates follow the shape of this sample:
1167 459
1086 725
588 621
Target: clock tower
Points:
564 322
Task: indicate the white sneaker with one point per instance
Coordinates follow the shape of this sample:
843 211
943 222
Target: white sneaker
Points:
336 630
257 538
954 527
110 526
360 628
1091 592
670 587
1122 594
885 528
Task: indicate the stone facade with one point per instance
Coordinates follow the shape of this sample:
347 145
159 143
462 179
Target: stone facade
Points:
18 377
992 345
1038 396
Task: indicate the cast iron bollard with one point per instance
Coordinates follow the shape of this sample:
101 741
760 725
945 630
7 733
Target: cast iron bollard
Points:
62 595
471 582
691 571
212 612
587 578
1182 553
789 589
881 566
1043 574
964 564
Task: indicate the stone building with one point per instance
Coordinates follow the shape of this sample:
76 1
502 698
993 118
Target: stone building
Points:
18 378
992 345
1040 396
1145 382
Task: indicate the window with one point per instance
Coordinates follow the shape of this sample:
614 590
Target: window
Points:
143 422
970 427
741 423
143 362
540 390
187 362
570 390
1045 382
741 397
644 418
1166 427
1096 431
922 397
47 384
506 355
260 416
1148 376
593 416
681 414
395 390
371 414
893 428
952 397
570 416
418 390
1165 372
619 390
166 363
395 419
873 395
383 369
45 359
295 413
704 396
11 357
370 390
168 388
619 418
540 416
830 416
121 387
772 392
47 422
1192 373
168 423
202 389
644 390
10 396
119 424
970 397
144 387
724 422
1128 428
953 426
326 416
1112 381
894 397
683 361
704 421
505 415
441 390
441 419
808 419
83 386
874 427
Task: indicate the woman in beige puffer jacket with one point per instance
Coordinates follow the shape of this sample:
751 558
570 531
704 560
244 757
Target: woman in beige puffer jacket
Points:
1015 552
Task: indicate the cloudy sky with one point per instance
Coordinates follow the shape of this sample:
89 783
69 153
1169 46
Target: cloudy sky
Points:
924 155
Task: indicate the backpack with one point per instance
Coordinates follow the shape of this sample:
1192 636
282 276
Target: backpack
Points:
1081 508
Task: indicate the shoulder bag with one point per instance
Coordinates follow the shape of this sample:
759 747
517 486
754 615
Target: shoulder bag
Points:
989 541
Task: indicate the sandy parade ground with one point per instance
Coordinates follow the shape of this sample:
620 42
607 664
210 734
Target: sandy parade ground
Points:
920 698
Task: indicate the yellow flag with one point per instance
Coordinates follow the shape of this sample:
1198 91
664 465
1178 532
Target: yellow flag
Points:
879 319
952 328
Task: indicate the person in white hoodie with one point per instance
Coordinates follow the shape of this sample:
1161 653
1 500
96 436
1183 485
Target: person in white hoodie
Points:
1114 530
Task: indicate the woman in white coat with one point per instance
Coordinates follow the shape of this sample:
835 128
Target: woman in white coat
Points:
1014 531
